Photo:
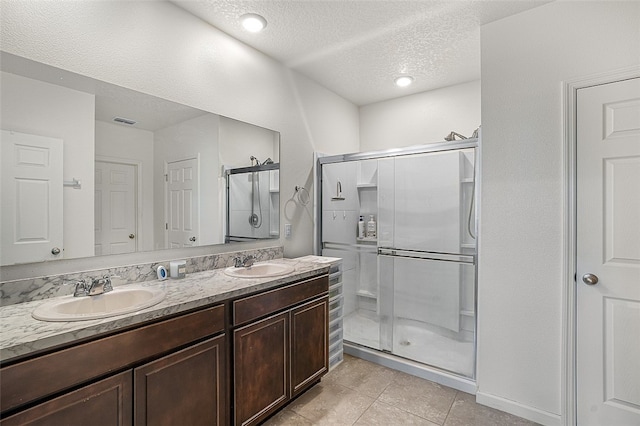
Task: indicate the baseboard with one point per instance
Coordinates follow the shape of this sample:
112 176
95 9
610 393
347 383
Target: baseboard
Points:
520 410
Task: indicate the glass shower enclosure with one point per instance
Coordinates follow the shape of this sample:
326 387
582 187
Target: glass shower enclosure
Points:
252 203
410 290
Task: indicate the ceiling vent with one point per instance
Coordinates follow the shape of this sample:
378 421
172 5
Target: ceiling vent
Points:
124 121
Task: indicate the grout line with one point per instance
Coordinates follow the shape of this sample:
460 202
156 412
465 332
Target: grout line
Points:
450 407
365 410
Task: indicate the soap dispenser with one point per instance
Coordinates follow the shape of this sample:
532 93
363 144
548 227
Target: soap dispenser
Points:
371 227
361 229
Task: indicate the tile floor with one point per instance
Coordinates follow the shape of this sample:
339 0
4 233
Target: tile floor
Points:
358 392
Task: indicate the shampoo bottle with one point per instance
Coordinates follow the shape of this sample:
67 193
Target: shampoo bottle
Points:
371 227
361 233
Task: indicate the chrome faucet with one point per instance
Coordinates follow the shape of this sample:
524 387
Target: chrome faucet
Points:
247 262
96 287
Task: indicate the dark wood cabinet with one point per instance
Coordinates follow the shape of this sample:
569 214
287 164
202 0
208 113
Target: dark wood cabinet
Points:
262 350
309 344
277 357
261 373
186 387
185 383
106 402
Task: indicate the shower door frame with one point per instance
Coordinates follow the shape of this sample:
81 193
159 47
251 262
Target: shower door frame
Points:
460 382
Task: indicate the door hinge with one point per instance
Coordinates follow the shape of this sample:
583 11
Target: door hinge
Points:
166 226
166 178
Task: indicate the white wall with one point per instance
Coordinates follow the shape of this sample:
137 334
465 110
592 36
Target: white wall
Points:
194 138
38 108
240 141
525 59
117 142
194 64
421 118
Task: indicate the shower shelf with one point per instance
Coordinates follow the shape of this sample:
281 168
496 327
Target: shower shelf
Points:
367 185
367 240
365 293
468 313
467 180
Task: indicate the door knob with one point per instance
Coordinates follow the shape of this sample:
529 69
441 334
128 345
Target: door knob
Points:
55 251
192 239
132 236
590 279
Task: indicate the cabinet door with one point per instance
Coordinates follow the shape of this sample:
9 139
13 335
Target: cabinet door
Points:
187 387
107 402
261 368
309 343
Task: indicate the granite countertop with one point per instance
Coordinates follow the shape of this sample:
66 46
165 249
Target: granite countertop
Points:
21 334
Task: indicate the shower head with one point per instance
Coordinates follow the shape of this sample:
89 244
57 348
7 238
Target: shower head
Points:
452 136
268 161
252 158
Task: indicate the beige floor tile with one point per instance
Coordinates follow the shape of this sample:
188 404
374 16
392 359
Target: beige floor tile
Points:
362 376
465 411
385 415
331 404
420 397
287 417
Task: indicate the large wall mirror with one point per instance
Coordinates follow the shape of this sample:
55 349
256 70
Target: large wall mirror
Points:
94 169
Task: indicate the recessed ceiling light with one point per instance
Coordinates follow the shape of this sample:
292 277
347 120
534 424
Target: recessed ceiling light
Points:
403 81
253 22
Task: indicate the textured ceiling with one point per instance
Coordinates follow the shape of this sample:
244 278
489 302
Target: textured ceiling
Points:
356 47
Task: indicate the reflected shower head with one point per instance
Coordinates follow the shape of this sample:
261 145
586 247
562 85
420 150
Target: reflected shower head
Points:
252 158
452 136
268 161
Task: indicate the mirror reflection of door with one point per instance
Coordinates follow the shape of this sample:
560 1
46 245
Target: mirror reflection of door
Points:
115 208
183 213
31 198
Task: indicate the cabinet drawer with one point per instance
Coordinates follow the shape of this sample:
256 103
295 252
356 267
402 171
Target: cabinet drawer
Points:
259 305
42 376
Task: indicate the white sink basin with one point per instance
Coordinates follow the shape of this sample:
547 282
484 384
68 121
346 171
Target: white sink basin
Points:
260 270
116 302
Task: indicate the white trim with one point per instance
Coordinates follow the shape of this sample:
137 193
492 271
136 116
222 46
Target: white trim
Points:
138 165
569 326
517 409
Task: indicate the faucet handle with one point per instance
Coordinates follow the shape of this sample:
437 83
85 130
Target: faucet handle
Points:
237 262
248 261
81 289
107 286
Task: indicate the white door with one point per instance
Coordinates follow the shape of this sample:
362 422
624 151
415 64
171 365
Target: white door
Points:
608 249
31 197
115 208
183 212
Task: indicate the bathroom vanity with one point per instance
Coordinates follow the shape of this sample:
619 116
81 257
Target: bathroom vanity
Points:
245 350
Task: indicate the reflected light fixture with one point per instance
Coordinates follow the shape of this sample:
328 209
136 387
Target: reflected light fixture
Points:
403 81
253 22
